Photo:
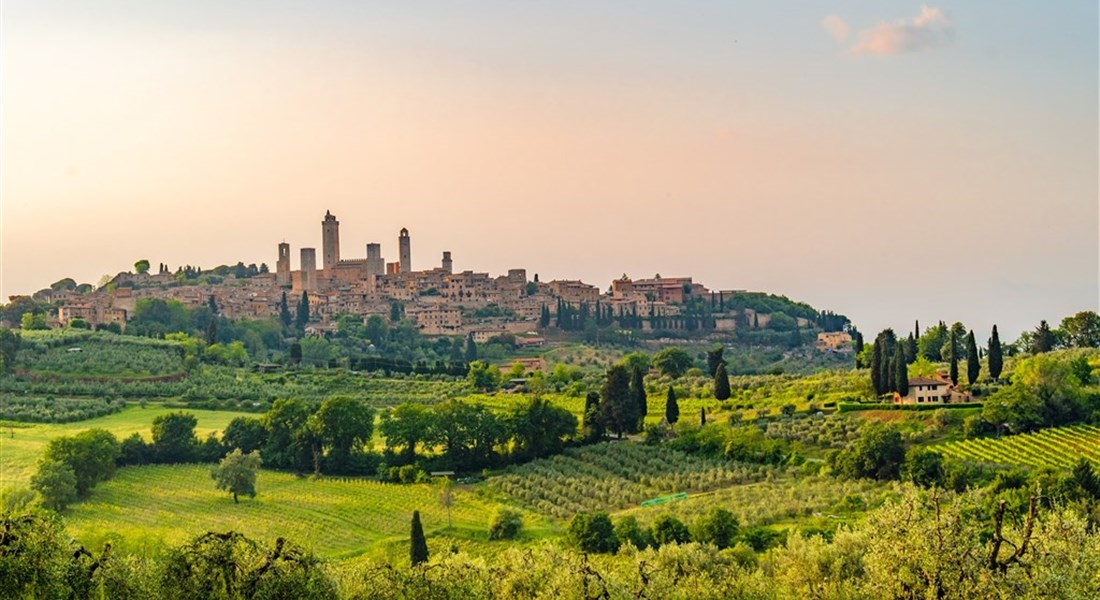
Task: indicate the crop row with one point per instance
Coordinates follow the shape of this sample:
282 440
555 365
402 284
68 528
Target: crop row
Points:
1059 448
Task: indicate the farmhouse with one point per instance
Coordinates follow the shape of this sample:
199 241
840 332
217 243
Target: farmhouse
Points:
925 390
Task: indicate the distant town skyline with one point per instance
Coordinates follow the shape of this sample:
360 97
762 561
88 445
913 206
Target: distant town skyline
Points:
889 161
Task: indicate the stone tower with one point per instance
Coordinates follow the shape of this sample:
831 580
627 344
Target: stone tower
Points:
404 245
282 266
309 269
448 266
330 241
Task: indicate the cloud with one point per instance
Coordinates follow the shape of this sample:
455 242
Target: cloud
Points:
931 29
836 27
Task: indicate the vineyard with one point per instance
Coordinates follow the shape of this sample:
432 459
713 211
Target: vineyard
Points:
89 354
148 507
1059 447
612 476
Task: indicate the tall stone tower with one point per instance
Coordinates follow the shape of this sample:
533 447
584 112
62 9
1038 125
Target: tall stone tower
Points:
376 265
330 241
309 269
282 266
404 245
448 266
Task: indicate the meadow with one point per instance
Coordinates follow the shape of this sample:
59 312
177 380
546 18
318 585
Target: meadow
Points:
143 509
21 444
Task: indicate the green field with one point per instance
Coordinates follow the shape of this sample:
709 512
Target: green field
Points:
1060 447
21 445
145 508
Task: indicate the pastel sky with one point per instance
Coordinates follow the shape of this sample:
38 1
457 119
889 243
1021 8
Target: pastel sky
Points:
889 160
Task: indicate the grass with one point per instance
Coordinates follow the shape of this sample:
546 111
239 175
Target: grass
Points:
144 509
21 446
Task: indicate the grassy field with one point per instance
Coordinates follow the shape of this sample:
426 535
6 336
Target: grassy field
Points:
144 508
22 444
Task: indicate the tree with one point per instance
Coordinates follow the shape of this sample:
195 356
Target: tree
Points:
901 373
287 439
637 389
672 407
1082 330
618 407
672 362
174 439
1043 340
973 363
996 358
284 312
418 545
10 342
721 383
876 368
714 358
33 321
505 524
141 267
931 343
342 425
483 376
405 426
245 434
55 482
717 527
236 473
92 455
667 529
954 360
923 467
471 348
593 426
538 428
628 530
1045 392
212 304
877 454
544 317
592 533
702 416
302 317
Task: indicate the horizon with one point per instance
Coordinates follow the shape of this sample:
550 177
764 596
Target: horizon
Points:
577 142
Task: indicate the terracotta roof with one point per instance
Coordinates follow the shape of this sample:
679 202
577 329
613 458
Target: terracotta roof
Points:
926 381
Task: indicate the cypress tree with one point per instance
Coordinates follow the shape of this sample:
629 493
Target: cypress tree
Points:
471 348
901 374
637 388
592 427
876 367
954 360
916 330
721 383
303 311
910 349
755 321
714 358
212 303
418 550
996 359
859 348
1044 338
973 363
672 407
284 312
702 416
618 407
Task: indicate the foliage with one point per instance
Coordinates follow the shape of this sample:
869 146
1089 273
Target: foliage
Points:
718 527
877 454
505 524
33 409
672 361
91 455
1045 392
592 532
174 439
55 483
670 530
1057 447
236 473
418 545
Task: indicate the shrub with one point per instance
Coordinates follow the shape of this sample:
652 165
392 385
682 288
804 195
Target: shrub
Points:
505 524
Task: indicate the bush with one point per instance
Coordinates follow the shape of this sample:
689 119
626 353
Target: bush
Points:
670 530
505 524
592 533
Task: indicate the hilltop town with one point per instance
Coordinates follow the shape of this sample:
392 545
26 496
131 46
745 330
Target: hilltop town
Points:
437 300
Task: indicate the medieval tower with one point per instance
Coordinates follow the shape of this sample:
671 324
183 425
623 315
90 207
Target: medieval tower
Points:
330 242
309 269
448 265
282 266
404 246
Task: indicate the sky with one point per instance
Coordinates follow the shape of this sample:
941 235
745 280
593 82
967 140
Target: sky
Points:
887 160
